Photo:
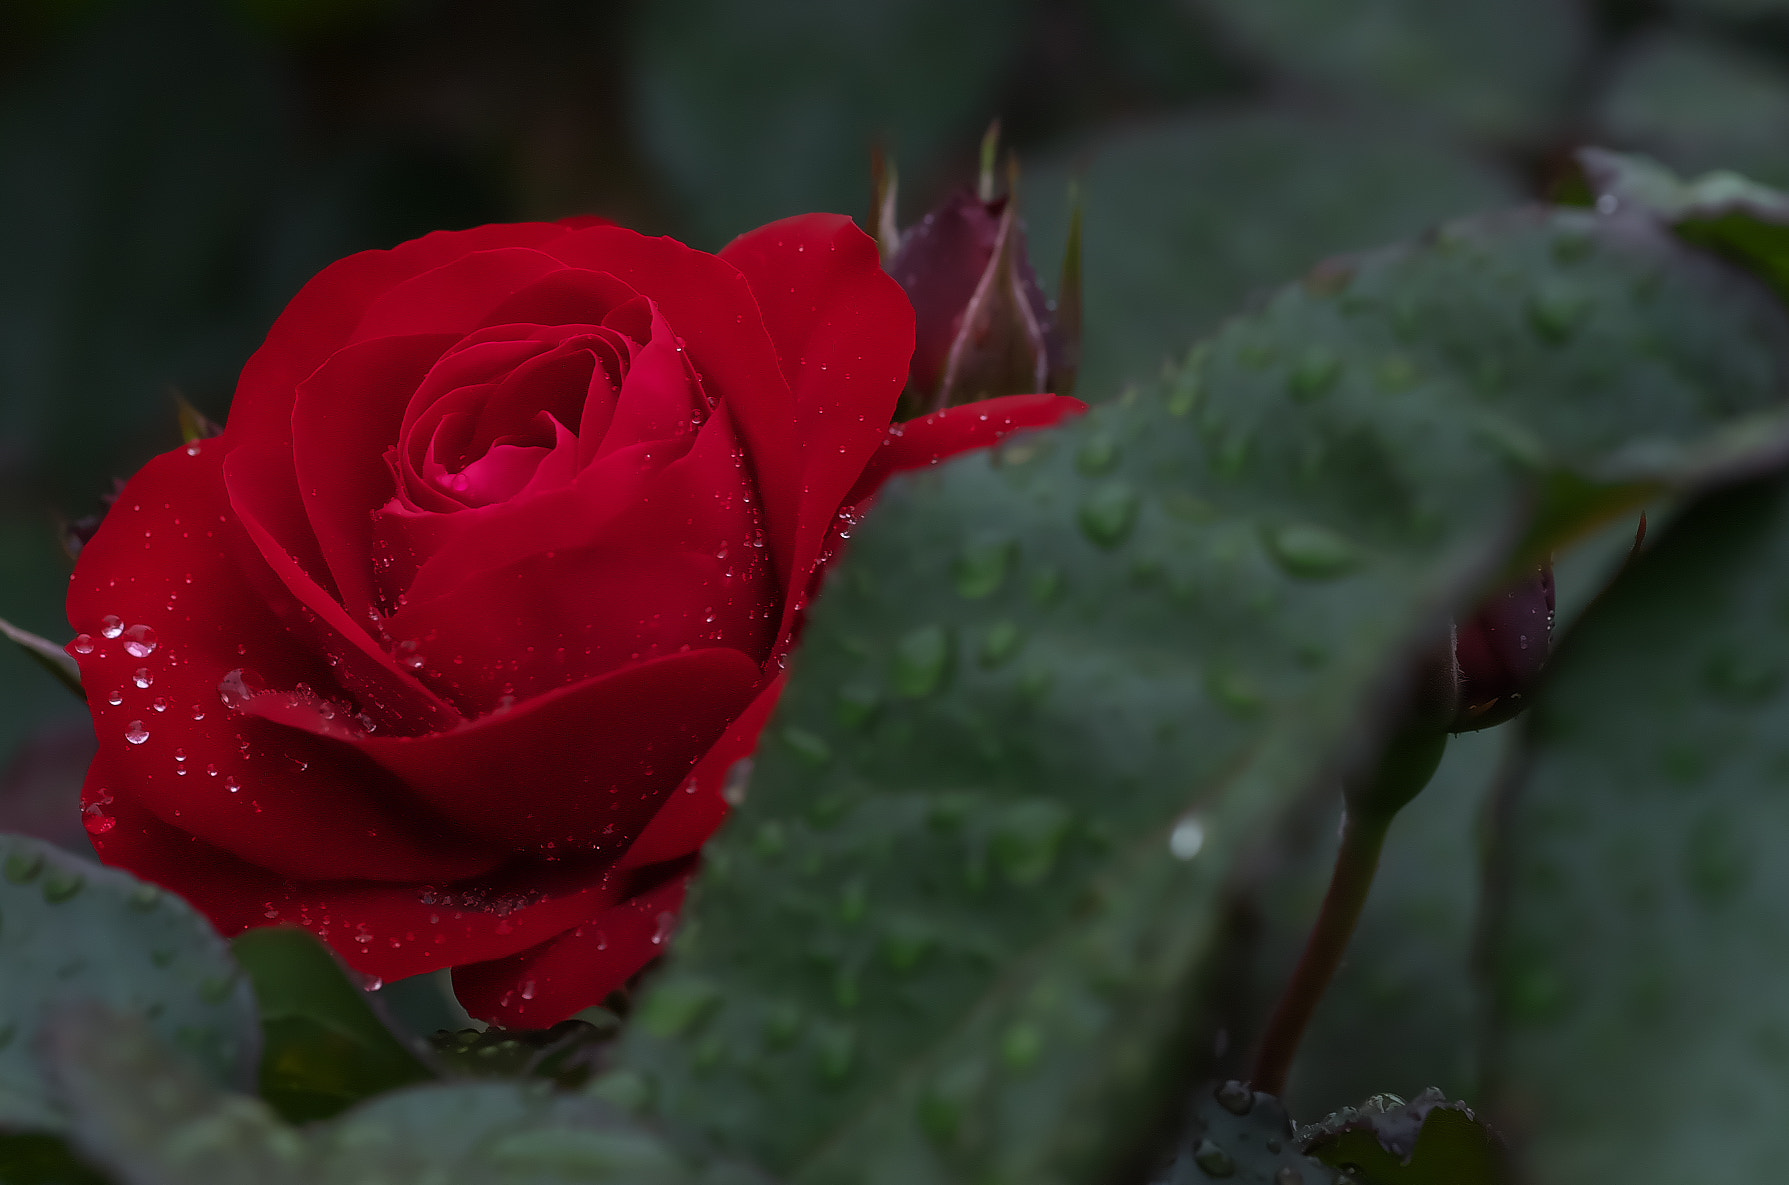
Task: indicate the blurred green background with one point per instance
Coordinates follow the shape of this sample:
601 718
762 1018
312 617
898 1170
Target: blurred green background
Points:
172 170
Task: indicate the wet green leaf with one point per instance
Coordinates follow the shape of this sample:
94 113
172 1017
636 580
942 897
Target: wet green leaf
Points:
1428 1141
1059 825
1642 865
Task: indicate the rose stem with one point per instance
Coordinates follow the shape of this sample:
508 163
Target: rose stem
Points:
1356 863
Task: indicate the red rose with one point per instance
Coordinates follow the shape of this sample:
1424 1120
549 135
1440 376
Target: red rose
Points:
444 647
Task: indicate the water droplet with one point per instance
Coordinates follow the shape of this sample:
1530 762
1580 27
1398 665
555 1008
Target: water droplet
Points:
1213 1160
738 779
139 641
23 867
1188 837
1310 552
115 697
1098 456
1109 513
1234 690
921 661
216 989
62 885
854 902
782 1025
1233 1096
145 897
83 644
1021 1045
981 567
1002 642
142 678
905 945
136 732
810 747
1046 586
1314 375
239 686
95 819
111 625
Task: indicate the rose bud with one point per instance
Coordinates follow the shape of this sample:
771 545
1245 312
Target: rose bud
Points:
444 648
984 326
1501 650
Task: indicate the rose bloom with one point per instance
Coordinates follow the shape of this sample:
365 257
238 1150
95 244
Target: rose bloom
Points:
445 647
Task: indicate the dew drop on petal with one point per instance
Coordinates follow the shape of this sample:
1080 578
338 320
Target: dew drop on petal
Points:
142 678
139 641
83 644
115 698
111 625
136 733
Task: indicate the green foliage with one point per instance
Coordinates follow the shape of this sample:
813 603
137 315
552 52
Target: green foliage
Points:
148 1120
1639 953
1428 1141
1244 1137
71 931
756 112
1187 220
323 1047
1498 69
963 928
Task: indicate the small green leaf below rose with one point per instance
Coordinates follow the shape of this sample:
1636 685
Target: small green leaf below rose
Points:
324 1048
1427 1141
567 1054
72 930
1640 868
147 1119
1054 834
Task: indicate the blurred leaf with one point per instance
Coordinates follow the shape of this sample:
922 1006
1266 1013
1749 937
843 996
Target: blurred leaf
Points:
323 1047
76 931
1728 213
150 1121
964 942
1699 105
1186 221
1733 10
1499 68
1243 1136
755 112
1428 1141
1640 944
52 658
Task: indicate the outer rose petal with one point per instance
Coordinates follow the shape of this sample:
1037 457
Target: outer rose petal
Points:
545 984
943 434
843 331
383 930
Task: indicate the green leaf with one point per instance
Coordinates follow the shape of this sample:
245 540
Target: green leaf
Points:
1428 1141
1244 1137
45 654
968 945
71 930
1700 104
1186 221
323 1047
755 111
1640 943
1496 67
1740 219
144 1116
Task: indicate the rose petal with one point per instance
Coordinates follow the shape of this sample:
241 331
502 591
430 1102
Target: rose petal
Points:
543 985
688 817
844 333
576 766
389 931
928 440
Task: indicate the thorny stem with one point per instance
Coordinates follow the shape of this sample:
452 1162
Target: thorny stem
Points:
1362 839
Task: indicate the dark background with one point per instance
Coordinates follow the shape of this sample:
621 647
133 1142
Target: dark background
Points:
172 171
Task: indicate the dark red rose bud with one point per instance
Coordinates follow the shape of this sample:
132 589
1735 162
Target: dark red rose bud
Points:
984 326
1501 650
